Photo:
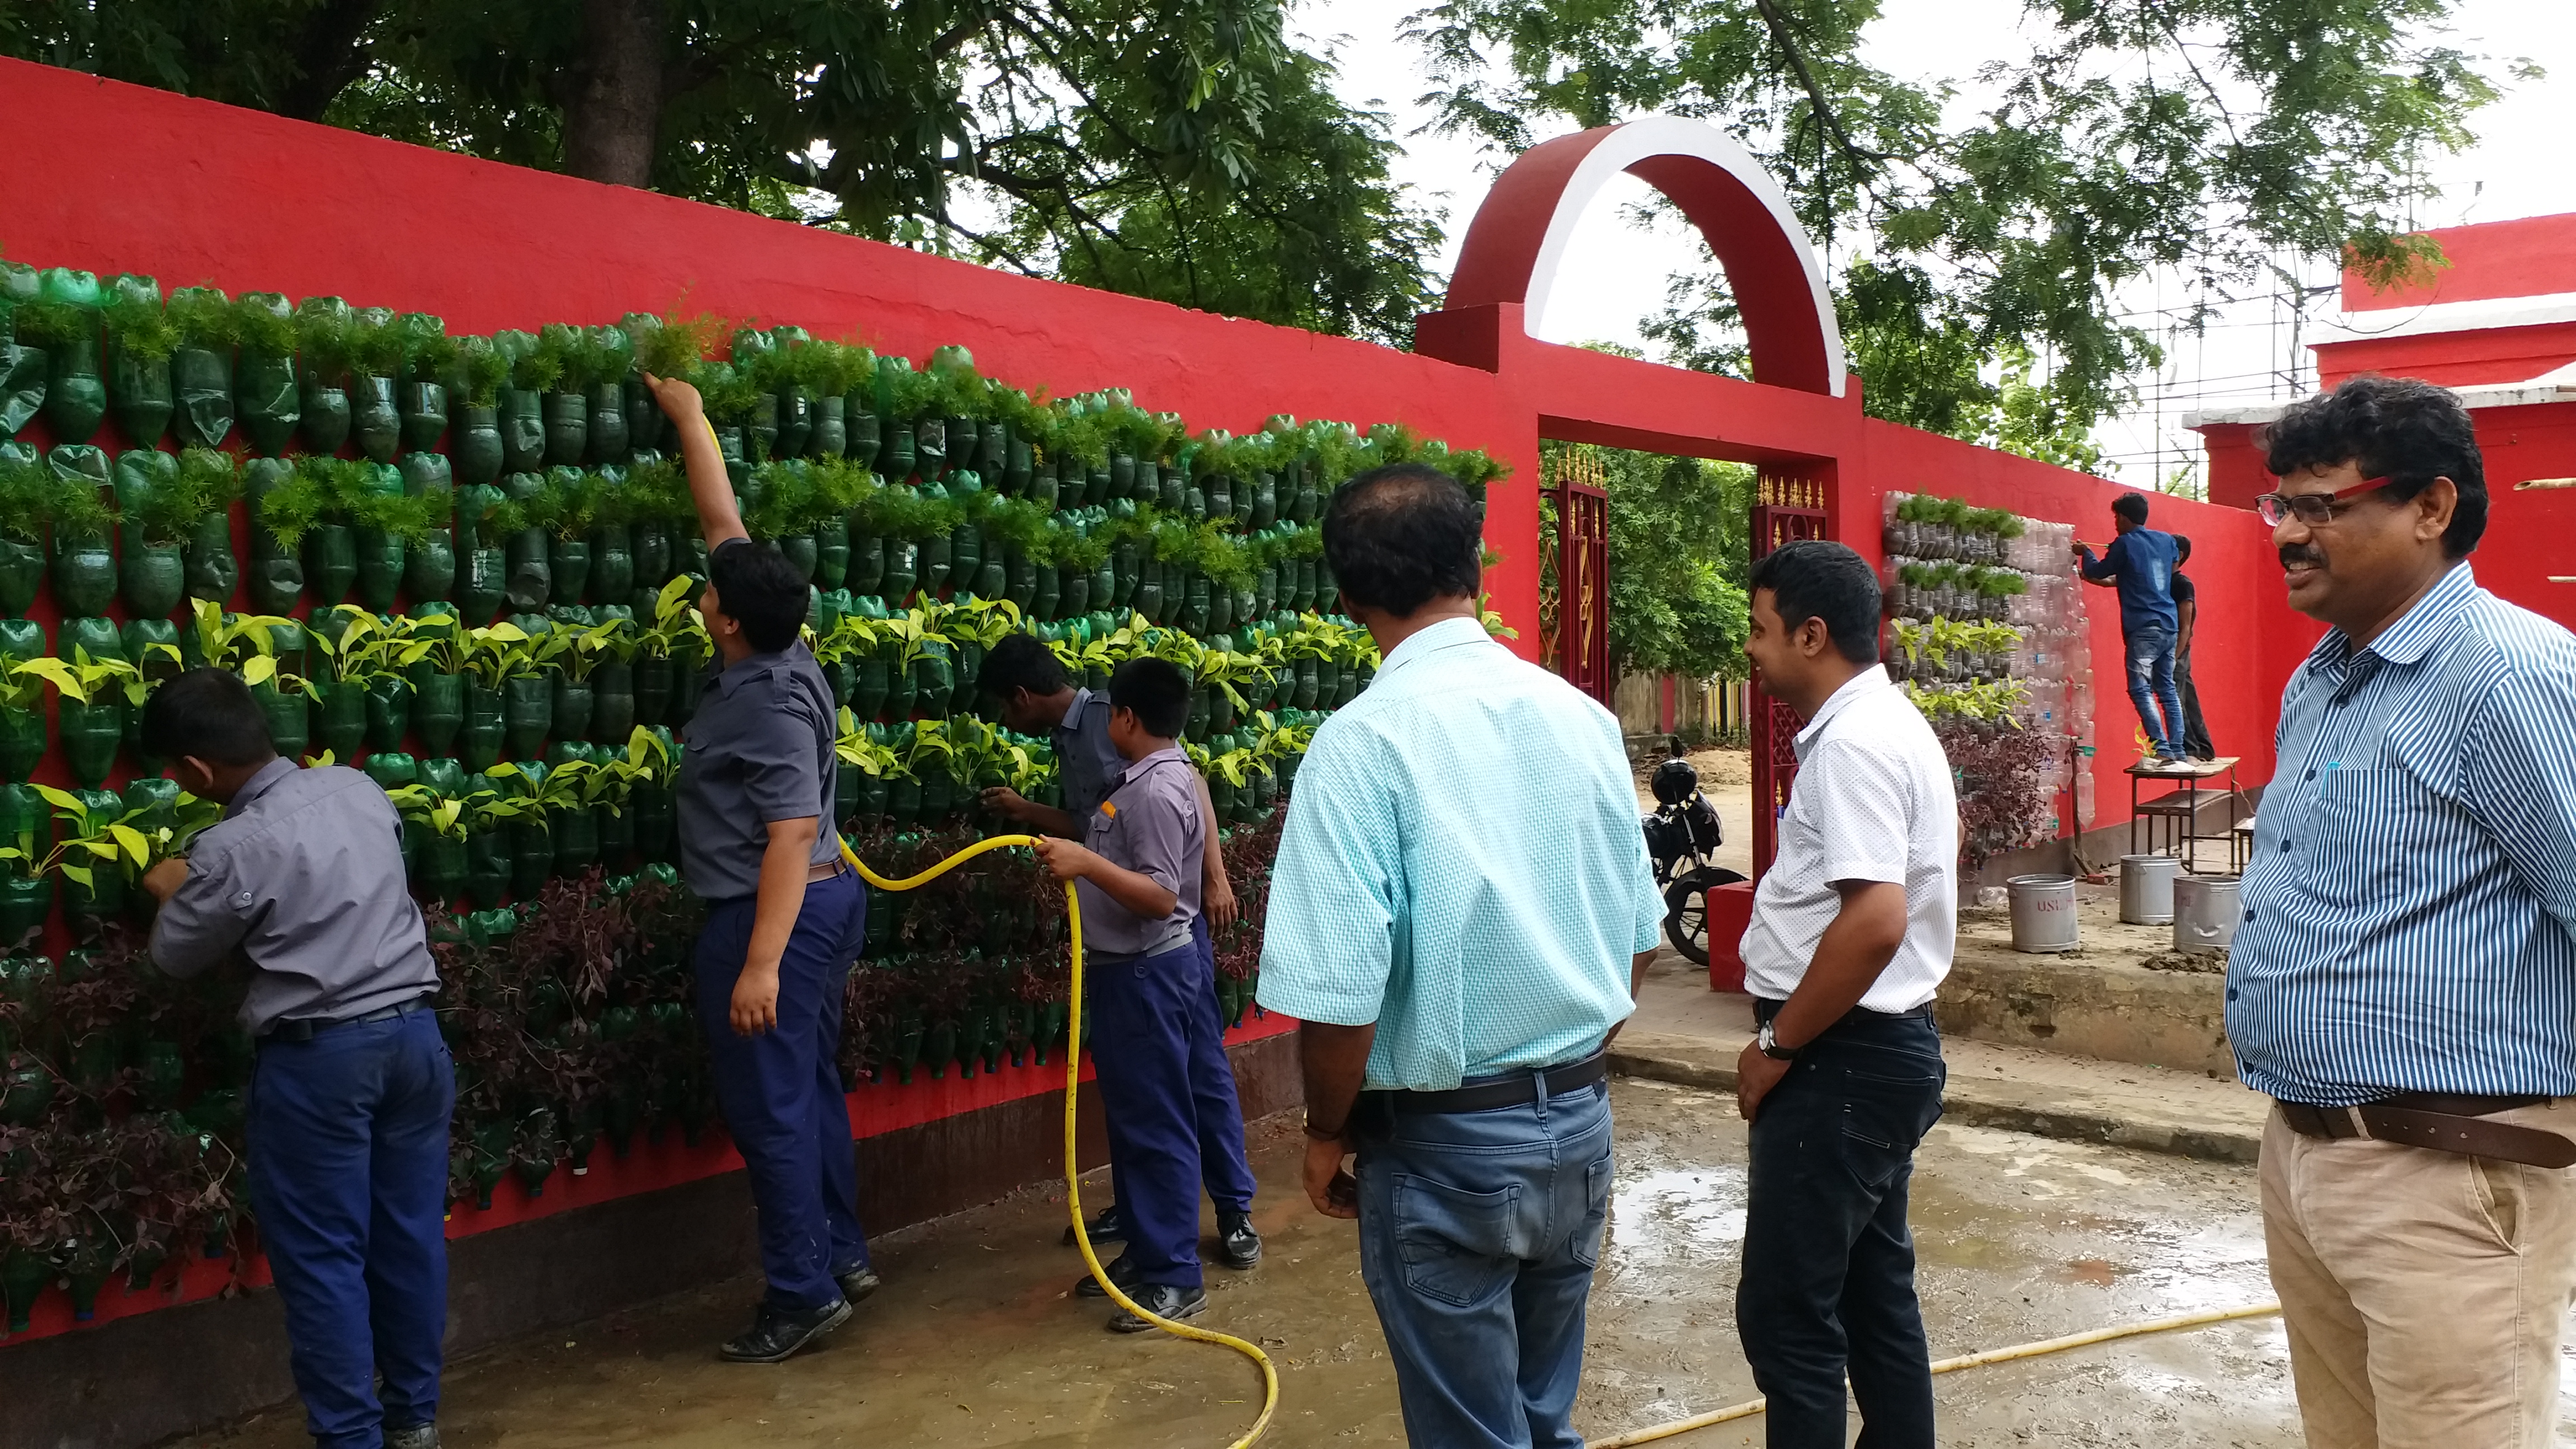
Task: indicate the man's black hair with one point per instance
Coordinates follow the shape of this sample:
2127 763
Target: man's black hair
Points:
2131 506
757 585
208 713
2397 428
1813 579
1158 693
2182 549
1020 661
1400 536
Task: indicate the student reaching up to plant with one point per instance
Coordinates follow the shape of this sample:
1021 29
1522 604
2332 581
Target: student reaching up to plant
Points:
786 917
1136 871
352 1091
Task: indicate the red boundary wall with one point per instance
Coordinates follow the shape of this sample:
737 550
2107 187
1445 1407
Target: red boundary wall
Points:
111 177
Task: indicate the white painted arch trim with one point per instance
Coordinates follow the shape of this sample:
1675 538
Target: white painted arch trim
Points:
1658 136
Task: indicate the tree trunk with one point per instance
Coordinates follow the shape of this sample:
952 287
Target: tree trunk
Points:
614 115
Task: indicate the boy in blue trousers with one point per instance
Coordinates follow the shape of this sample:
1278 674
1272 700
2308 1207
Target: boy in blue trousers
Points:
1152 990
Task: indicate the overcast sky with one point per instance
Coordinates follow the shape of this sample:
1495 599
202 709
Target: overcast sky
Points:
2524 164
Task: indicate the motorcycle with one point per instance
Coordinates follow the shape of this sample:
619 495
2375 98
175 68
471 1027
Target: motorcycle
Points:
1682 836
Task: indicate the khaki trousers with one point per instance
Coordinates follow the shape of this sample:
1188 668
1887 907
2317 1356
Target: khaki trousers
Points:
2424 1292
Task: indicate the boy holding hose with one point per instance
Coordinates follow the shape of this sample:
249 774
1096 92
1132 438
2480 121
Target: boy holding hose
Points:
1137 876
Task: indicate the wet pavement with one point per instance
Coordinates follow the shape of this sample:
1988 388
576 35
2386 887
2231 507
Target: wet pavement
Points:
975 1340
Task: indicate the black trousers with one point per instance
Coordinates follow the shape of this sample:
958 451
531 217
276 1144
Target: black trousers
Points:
2195 730
1828 1282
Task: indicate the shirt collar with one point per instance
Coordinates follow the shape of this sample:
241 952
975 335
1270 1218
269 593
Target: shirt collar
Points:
751 666
2416 631
1447 634
1860 686
1135 769
1072 720
260 783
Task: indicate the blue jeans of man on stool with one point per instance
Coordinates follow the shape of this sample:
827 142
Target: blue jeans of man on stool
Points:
348 1172
1478 1235
780 1091
1828 1282
2152 689
1163 1078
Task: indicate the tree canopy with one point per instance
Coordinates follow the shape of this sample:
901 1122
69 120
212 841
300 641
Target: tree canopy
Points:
2208 136
1181 149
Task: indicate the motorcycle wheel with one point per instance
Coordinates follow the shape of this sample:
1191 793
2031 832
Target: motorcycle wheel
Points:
1686 910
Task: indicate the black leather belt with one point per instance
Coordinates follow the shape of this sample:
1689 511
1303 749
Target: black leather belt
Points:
305 1029
1502 1089
2440 1122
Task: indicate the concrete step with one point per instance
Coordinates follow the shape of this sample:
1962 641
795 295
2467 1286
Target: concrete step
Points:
2021 1090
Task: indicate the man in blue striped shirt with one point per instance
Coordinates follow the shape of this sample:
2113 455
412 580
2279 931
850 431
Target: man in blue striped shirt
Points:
2404 980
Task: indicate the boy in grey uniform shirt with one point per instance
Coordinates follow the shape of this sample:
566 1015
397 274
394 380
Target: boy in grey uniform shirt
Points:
353 1088
1152 987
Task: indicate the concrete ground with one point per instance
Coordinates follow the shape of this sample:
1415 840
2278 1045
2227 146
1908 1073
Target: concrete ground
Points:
975 1341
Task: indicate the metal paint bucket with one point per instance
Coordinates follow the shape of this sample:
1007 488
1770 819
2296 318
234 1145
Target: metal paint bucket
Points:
2043 913
2147 888
2206 910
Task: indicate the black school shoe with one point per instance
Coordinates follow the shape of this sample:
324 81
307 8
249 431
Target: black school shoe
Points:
858 1283
412 1436
1237 1245
1120 1273
1106 1228
777 1333
1163 1300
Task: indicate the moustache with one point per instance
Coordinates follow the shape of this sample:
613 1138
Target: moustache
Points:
2296 556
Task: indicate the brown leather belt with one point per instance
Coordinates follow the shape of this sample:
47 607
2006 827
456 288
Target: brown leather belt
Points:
826 870
2441 1121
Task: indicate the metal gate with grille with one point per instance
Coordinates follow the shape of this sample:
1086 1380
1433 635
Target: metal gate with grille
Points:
1578 637
1785 510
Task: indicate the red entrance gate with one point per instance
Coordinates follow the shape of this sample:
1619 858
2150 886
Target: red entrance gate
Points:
1785 510
1578 640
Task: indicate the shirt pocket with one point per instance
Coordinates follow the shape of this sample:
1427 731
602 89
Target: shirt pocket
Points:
2369 833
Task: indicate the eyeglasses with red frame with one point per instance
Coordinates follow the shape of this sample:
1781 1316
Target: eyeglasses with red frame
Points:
2313 508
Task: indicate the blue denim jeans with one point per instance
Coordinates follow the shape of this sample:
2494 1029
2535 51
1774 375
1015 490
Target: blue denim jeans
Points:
1827 1290
348 1173
1478 1234
2151 686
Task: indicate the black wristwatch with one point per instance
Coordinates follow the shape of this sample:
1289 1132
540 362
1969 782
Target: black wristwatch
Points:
1772 1048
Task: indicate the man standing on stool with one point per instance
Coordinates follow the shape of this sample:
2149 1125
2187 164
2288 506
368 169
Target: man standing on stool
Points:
1853 928
2404 981
353 1088
1028 687
1155 1029
2140 561
786 916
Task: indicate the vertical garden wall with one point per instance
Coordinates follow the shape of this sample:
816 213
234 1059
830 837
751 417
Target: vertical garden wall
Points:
468 566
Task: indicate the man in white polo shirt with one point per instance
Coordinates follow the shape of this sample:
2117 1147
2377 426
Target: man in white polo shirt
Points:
1852 932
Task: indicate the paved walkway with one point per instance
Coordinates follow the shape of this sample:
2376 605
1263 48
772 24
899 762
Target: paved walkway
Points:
1683 1032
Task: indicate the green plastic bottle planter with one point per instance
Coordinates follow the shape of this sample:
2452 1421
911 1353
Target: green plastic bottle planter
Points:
429 567
375 418
209 570
22 748
423 406
388 711
612 702
654 678
522 416
532 858
606 426
568 709
290 719
323 414
799 550
330 553
138 390
567 427
482 585
831 432
568 569
276 578
474 445
84 573
487 866
75 393
527 715
612 563
22 573
437 709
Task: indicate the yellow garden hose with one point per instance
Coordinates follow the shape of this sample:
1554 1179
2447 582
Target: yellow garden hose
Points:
1270 1374
1751 1407
1072 1083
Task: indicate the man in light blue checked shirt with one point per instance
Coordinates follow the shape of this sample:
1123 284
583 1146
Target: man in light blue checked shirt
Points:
2404 980
1460 913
